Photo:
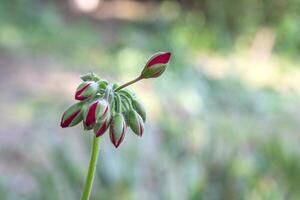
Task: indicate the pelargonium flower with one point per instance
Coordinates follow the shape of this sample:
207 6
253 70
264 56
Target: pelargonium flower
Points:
139 109
156 65
136 123
96 111
104 106
72 116
102 126
86 90
117 129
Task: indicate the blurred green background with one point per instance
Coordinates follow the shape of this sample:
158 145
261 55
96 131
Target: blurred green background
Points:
223 121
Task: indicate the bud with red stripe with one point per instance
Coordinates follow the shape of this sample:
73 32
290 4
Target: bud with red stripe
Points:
86 90
139 108
101 126
136 123
96 111
72 116
156 65
117 129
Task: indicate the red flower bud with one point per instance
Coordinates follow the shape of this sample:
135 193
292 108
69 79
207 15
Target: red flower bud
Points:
136 123
85 90
156 65
101 127
97 110
117 129
72 116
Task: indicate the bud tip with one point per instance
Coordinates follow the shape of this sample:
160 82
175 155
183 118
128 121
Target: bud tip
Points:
160 58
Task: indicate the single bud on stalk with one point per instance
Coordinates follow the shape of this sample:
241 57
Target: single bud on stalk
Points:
102 126
72 116
96 111
156 65
136 123
139 109
117 129
86 90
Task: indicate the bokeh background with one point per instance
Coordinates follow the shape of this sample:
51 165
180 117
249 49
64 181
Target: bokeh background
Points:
223 121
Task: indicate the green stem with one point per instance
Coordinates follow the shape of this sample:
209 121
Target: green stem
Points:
92 167
129 83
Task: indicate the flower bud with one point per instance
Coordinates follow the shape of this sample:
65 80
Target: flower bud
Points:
97 110
139 109
101 127
117 129
115 86
85 108
156 65
136 123
72 116
87 128
91 76
85 90
103 84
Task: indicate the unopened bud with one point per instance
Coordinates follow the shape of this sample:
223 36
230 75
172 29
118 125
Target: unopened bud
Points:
117 129
102 126
136 123
72 116
139 109
91 76
86 90
96 111
156 65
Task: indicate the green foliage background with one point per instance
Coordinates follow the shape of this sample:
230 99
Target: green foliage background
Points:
223 120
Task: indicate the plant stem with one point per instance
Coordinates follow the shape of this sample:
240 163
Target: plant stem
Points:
129 83
92 167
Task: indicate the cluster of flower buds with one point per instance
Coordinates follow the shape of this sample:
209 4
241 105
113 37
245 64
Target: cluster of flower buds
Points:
103 106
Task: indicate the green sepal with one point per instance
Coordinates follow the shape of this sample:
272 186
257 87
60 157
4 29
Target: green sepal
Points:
87 128
101 126
72 116
102 85
117 129
154 71
90 76
140 109
86 90
136 122
115 86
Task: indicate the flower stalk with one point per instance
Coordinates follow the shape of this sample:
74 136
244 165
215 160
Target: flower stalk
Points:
92 167
129 83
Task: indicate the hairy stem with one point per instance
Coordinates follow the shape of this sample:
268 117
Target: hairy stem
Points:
129 83
92 167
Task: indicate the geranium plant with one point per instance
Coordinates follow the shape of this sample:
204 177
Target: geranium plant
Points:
103 106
